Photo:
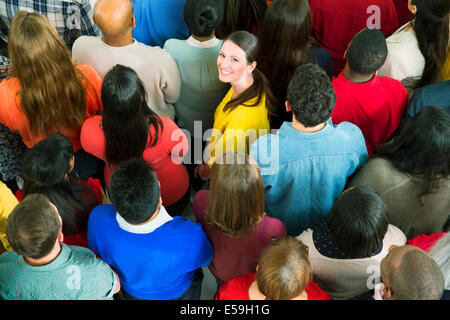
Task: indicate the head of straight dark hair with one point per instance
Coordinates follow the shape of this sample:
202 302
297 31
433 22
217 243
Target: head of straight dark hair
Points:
358 222
241 15
126 116
261 86
367 51
203 16
134 191
431 25
46 170
422 147
284 42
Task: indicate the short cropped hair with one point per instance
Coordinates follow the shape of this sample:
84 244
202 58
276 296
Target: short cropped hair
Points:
358 222
311 95
236 198
367 51
134 191
203 16
33 227
418 277
284 270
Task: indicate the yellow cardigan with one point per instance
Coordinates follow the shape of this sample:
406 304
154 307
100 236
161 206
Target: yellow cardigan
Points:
237 129
446 69
7 203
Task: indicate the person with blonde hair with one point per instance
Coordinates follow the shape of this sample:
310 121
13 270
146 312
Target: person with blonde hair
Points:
283 273
232 215
46 92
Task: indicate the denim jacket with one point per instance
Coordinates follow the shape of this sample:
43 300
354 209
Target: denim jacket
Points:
304 173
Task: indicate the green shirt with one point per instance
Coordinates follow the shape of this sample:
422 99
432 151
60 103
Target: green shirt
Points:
76 274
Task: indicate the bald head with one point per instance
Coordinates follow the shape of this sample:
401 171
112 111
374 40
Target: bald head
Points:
411 274
114 17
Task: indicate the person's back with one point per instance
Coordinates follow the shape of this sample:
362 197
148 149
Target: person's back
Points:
306 165
376 105
154 65
335 22
158 21
411 173
155 255
196 58
40 268
437 94
70 18
346 248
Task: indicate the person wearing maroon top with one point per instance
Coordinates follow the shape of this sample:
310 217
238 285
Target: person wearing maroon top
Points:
232 216
403 13
283 273
335 22
375 104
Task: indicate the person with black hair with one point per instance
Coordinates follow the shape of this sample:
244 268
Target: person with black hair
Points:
47 168
156 256
375 104
353 239
305 166
285 42
196 58
242 15
418 49
156 139
411 172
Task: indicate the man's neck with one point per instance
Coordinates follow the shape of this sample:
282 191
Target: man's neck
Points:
49 258
356 77
118 41
300 127
203 39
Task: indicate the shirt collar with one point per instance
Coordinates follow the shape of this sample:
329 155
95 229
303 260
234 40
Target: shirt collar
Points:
205 44
147 227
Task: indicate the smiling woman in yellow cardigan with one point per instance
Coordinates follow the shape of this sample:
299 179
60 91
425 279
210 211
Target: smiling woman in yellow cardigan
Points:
243 115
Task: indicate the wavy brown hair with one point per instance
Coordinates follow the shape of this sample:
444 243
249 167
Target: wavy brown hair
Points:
51 93
236 198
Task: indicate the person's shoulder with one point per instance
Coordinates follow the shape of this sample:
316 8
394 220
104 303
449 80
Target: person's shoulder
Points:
349 132
102 211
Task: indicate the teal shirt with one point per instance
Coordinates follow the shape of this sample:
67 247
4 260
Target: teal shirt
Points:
76 274
201 89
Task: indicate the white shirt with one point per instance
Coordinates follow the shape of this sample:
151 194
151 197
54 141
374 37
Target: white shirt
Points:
147 227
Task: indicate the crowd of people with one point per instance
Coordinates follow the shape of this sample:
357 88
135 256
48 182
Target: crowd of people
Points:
310 137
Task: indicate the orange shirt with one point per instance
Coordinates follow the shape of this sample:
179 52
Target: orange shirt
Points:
12 117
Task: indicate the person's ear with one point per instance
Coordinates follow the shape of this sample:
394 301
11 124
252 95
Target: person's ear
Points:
133 22
60 237
288 106
160 201
252 66
387 291
412 8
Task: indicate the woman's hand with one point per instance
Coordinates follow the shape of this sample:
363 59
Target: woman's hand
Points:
203 171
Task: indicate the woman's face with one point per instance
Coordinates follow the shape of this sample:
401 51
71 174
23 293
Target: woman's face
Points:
232 63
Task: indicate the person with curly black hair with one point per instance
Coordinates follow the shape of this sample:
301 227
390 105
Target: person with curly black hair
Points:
305 166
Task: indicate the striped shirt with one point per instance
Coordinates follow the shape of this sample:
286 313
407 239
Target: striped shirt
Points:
71 18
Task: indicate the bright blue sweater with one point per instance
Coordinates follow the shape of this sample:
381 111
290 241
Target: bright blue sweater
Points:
159 265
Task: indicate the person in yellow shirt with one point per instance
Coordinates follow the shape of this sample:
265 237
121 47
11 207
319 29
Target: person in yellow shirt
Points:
244 113
7 203
446 68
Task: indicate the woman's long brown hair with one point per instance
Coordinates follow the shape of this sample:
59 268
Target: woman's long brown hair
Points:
52 96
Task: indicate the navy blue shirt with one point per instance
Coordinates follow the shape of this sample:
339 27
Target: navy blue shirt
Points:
437 94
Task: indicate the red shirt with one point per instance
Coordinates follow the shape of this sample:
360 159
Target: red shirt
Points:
403 13
376 107
335 23
237 289
425 242
172 176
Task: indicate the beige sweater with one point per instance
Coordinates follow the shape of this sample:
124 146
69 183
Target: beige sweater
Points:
343 279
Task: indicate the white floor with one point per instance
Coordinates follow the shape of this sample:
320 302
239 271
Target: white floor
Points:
209 287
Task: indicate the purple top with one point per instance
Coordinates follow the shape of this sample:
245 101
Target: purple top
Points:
234 256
